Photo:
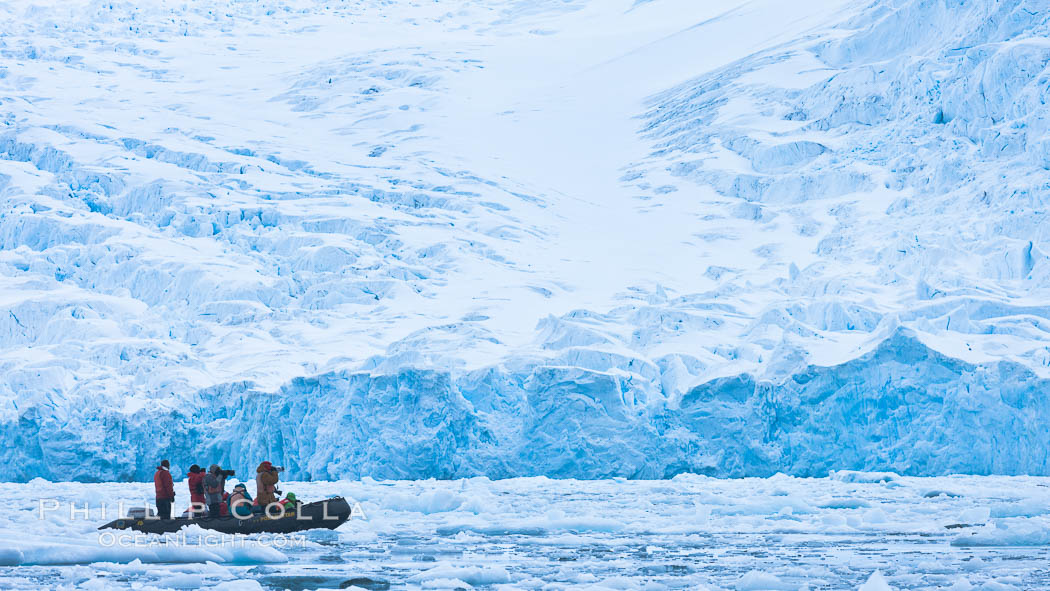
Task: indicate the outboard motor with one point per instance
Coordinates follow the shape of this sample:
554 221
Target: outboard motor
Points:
141 513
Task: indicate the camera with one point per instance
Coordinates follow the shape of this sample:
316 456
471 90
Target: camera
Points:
278 468
226 473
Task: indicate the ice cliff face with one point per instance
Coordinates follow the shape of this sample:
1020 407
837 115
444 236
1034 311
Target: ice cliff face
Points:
901 407
377 240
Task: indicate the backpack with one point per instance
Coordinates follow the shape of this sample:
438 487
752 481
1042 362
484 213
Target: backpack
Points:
212 485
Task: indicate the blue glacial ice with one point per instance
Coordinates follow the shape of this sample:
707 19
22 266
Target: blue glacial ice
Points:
901 407
862 284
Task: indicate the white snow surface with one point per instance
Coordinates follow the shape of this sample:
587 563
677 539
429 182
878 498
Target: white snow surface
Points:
561 237
689 532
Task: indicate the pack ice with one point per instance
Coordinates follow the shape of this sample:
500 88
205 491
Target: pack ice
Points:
567 238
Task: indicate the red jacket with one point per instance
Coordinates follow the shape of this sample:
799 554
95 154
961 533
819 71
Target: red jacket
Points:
162 482
196 484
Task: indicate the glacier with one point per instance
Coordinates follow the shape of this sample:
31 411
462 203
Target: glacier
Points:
573 239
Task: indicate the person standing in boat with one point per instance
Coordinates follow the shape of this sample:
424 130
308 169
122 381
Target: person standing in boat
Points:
165 489
214 487
265 484
195 480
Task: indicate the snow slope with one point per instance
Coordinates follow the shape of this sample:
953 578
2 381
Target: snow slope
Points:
567 238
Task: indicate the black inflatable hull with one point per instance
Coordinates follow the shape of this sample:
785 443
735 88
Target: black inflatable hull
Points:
327 514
